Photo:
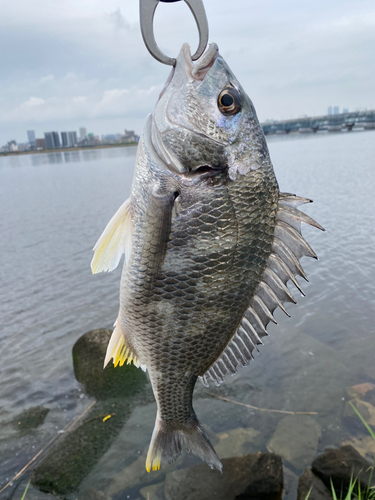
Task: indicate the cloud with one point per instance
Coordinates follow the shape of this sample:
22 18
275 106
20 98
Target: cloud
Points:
117 20
46 79
133 102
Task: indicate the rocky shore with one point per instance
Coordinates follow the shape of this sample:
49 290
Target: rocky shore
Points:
279 457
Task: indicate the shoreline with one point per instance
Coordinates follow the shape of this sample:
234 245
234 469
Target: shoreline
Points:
64 150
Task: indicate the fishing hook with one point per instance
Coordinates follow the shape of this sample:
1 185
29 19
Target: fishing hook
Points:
147 12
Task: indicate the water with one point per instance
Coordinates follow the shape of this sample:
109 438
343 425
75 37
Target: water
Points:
52 209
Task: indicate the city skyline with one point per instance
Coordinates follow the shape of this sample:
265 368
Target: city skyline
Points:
85 62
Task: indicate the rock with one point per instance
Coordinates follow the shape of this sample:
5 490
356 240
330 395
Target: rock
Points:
308 481
153 492
366 410
364 391
31 418
290 484
94 494
254 476
71 459
365 445
296 439
88 357
236 442
341 465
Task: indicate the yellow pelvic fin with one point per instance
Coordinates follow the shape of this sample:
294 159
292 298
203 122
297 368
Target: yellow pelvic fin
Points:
118 350
153 464
115 240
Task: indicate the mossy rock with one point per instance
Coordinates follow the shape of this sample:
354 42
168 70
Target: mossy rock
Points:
88 358
64 467
31 418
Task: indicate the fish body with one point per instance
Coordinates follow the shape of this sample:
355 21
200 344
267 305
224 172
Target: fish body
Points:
209 245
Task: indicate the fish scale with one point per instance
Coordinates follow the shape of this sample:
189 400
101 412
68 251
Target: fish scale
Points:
210 244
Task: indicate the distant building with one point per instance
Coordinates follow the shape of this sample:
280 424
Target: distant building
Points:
82 133
336 110
31 138
129 137
11 146
40 144
329 111
69 139
345 110
52 140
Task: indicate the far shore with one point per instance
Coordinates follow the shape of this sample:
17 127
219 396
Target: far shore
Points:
64 150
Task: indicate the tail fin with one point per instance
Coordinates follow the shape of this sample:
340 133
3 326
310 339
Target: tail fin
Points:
169 437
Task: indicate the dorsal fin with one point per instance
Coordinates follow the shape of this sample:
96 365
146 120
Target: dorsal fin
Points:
271 292
115 240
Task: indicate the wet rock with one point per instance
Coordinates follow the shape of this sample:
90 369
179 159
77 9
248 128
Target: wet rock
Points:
236 442
308 481
71 459
31 418
153 492
366 410
296 439
341 465
88 357
290 484
254 476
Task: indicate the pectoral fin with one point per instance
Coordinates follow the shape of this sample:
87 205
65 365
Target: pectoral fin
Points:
115 240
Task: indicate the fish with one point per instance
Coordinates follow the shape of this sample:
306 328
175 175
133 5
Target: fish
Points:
210 244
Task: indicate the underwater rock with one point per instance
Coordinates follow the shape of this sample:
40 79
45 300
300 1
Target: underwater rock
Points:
31 418
341 465
94 494
308 481
153 492
236 442
366 410
254 476
71 459
296 439
365 391
88 358
119 389
365 445
290 484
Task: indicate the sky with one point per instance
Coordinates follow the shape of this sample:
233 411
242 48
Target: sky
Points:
72 63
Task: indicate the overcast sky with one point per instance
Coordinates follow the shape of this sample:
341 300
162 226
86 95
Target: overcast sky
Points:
71 63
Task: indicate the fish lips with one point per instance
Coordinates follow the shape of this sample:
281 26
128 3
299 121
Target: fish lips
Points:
195 70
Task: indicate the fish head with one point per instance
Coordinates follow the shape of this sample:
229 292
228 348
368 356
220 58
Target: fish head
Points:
204 120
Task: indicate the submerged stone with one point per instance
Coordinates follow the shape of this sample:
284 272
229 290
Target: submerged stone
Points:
118 390
296 439
31 418
257 476
88 359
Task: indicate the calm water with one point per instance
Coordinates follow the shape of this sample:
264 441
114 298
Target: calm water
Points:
52 209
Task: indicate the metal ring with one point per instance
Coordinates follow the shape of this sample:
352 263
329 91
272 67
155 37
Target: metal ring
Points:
147 12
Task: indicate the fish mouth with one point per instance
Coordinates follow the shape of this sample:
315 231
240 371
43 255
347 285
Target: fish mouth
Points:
195 70
199 69
185 70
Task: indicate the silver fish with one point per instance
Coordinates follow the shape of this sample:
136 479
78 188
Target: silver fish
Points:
209 244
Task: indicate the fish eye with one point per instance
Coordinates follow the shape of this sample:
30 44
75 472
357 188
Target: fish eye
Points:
229 101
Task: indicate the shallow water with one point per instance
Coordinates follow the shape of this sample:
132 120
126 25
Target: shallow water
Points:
52 209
